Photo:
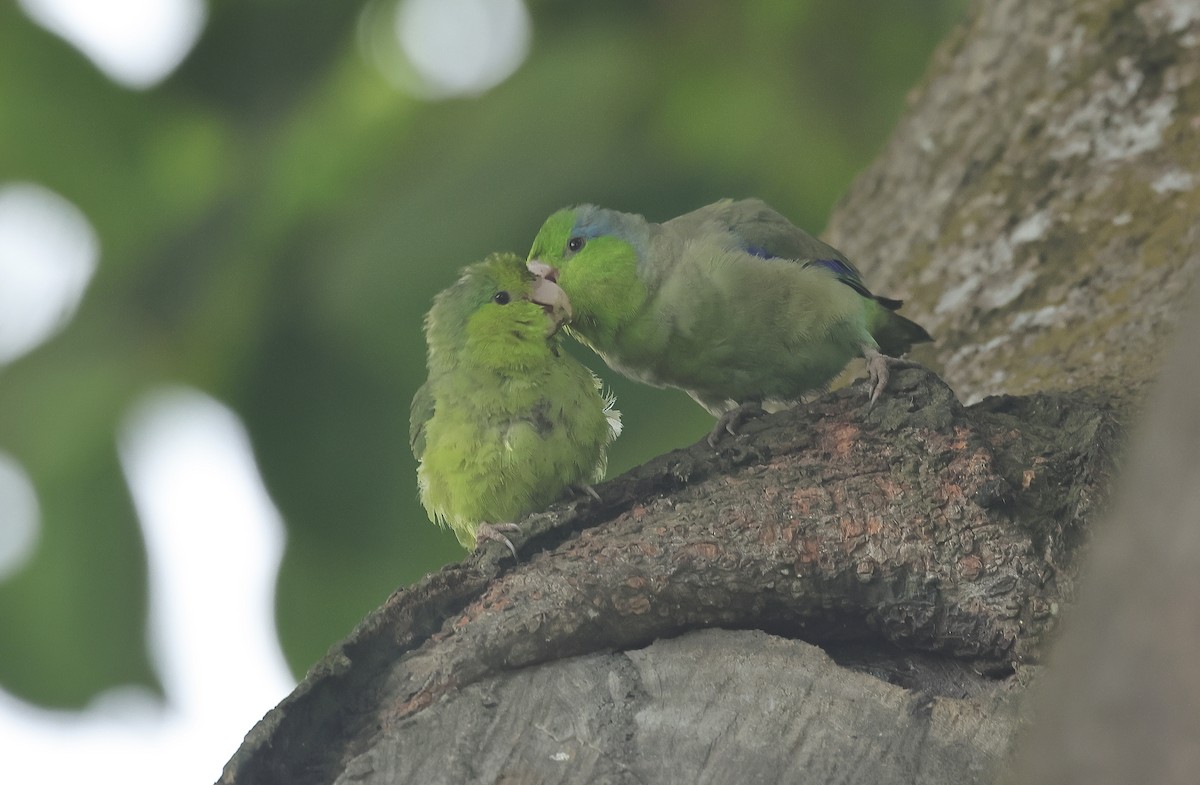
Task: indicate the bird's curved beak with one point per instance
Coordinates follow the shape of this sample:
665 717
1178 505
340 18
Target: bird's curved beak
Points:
542 270
553 300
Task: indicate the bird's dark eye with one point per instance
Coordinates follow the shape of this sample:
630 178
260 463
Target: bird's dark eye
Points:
574 244
500 298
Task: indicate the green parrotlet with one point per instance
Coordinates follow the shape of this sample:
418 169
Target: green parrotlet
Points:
506 421
731 303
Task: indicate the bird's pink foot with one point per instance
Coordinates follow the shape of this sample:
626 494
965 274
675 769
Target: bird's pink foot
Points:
491 531
586 490
731 420
878 371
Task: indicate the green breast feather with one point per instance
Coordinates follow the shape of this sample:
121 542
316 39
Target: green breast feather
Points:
506 421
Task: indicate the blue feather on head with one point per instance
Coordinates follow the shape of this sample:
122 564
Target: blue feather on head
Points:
592 222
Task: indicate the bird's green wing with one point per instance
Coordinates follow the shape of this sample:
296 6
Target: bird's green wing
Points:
761 231
758 230
419 414
847 274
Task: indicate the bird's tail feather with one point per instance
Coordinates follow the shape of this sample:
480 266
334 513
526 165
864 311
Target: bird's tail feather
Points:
896 334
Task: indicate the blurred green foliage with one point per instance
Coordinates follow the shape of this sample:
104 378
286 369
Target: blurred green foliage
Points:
275 218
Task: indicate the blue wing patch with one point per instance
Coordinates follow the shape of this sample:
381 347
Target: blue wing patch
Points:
839 268
843 271
849 276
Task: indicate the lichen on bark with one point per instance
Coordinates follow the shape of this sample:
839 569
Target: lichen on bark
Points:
1037 205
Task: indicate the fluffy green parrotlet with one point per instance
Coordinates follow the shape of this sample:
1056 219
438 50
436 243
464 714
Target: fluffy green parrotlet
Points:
730 302
506 421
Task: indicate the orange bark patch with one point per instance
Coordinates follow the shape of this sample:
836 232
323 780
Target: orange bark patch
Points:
851 528
702 550
839 440
971 567
890 488
648 548
633 606
808 550
804 499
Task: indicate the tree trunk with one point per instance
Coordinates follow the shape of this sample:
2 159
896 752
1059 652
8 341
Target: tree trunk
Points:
1121 701
926 546
1038 205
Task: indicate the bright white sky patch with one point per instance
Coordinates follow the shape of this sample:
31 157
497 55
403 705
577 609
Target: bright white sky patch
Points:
20 517
136 43
462 47
48 252
214 543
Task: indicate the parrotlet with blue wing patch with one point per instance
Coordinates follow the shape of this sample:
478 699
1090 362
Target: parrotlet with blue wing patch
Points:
731 303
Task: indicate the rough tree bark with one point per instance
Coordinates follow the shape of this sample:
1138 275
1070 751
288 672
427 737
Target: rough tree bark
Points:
1038 206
